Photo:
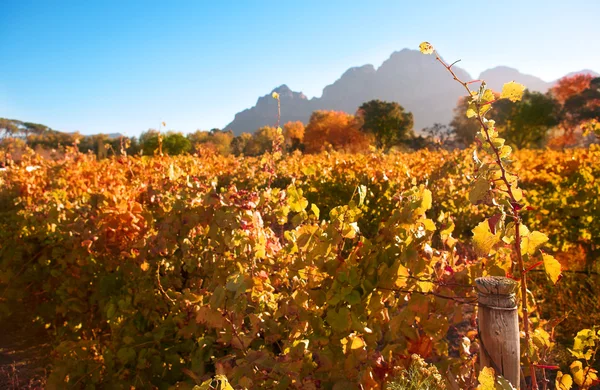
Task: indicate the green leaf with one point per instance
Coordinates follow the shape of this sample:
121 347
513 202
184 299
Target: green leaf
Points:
362 193
338 320
503 384
235 283
479 190
552 266
111 310
126 355
483 239
353 298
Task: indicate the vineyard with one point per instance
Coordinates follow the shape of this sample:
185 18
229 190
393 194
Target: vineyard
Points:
317 271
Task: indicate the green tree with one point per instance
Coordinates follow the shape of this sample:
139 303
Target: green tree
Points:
239 143
8 128
463 128
261 141
173 143
387 122
28 128
176 143
525 124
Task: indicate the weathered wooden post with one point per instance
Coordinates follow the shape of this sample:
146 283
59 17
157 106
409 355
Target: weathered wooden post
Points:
499 327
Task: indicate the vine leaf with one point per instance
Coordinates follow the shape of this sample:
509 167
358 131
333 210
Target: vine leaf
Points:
483 238
552 266
563 381
489 381
426 48
479 190
512 91
531 242
583 377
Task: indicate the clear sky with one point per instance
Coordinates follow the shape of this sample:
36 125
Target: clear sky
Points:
125 66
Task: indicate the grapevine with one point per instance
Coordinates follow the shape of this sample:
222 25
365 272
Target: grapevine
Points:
495 185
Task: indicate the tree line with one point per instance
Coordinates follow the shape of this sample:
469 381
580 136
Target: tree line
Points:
551 119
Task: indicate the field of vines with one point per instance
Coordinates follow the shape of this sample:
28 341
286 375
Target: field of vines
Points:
328 271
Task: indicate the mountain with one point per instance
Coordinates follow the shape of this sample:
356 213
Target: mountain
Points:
584 71
294 107
496 77
408 77
416 81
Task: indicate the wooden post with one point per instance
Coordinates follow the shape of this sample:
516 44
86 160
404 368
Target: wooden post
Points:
499 327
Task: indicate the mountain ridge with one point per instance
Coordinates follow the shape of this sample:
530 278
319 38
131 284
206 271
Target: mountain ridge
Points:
415 81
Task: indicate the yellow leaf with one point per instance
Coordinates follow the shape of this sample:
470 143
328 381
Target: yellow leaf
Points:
426 201
512 91
552 266
402 276
517 193
486 379
315 210
483 239
357 343
426 48
583 377
145 266
532 242
563 382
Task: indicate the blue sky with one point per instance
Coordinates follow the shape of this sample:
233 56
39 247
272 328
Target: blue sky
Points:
125 66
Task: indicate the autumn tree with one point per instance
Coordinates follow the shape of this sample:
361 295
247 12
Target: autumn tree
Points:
526 123
387 122
293 135
335 129
261 141
566 90
216 139
570 86
584 106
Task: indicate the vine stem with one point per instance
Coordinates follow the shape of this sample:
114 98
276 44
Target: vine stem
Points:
516 217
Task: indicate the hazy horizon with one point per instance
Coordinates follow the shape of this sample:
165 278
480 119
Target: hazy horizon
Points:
107 67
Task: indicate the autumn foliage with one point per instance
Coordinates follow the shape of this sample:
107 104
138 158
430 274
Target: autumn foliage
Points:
570 86
293 133
334 130
164 271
